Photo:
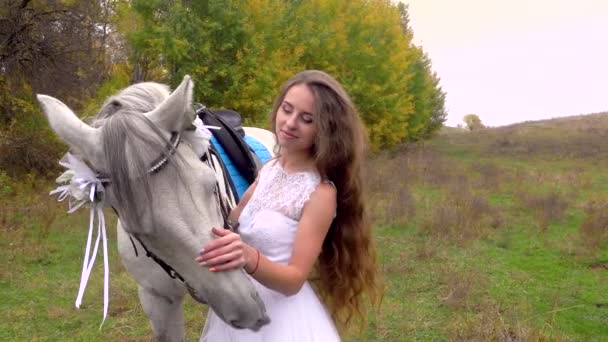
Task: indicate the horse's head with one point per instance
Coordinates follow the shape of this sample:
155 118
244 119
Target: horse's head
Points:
164 195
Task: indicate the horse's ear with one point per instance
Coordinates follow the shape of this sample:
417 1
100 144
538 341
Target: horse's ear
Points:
175 113
69 127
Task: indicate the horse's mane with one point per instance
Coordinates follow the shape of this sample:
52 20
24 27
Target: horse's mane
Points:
130 142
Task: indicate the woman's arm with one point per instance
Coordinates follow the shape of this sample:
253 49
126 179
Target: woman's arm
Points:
229 251
236 212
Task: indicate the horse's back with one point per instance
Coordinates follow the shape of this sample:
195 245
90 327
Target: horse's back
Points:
263 136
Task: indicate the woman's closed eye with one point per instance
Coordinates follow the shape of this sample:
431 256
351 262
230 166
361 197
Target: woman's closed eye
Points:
287 108
307 118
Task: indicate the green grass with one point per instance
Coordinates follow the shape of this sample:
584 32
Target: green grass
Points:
514 278
40 284
553 289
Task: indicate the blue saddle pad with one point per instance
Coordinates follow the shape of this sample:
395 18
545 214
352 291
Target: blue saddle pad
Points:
238 180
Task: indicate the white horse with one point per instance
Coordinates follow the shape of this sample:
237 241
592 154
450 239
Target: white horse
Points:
165 198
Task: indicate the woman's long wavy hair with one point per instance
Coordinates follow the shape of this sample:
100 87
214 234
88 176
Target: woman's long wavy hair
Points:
346 271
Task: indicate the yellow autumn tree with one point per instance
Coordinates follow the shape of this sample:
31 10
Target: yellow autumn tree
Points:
473 122
240 52
359 42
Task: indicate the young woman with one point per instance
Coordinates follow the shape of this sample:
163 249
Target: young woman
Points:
303 216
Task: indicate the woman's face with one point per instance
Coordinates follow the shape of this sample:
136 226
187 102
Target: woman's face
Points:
295 123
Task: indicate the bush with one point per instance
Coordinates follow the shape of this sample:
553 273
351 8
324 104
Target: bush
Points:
23 152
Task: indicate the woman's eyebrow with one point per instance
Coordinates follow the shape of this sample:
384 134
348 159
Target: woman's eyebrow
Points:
292 106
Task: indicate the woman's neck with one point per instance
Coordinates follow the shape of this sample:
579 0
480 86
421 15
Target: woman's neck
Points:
295 162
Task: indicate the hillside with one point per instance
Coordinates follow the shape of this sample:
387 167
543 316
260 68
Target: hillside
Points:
575 137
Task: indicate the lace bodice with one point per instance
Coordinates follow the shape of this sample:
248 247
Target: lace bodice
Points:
269 220
283 192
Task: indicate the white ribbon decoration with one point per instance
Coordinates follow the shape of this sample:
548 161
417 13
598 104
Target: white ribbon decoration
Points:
199 138
202 128
81 186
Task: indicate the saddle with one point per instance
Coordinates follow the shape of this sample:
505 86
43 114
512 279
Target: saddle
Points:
237 157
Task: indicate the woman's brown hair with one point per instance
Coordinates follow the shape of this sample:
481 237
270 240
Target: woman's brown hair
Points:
346 271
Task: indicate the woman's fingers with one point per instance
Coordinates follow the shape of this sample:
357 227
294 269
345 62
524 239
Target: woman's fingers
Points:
220 255
223 253
230 248
221 232
227 266
224 261
227 237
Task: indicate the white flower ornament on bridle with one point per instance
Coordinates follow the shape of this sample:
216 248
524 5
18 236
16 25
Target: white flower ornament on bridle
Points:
81 186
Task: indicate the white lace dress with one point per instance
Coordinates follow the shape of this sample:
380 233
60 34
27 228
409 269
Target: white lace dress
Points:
269 222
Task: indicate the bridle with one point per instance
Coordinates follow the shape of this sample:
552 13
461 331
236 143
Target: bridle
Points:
156 166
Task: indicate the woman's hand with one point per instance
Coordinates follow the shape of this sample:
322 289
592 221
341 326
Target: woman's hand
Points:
226 252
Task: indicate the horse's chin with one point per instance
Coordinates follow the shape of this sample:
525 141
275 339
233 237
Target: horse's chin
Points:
201 299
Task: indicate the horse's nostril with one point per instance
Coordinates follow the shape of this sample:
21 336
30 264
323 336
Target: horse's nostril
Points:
235 324
263 321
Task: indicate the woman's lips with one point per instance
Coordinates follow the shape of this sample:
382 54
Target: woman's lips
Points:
287 135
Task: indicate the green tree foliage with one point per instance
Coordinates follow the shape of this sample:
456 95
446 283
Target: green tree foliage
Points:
473 122
168 39
54 47
50 47
266 58
240 51
428 97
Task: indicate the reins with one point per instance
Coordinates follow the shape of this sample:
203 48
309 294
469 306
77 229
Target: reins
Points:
168 268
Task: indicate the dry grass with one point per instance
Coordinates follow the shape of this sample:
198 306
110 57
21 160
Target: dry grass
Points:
477 317
494 323
461 216
391 201
37 210
491 176
594 229
547 207
431 168
426 250
462 289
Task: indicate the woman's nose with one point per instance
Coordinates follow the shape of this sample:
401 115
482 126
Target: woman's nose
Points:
292 121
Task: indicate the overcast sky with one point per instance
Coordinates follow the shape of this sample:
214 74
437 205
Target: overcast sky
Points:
517 60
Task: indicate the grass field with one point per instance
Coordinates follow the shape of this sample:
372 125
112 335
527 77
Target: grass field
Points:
496 235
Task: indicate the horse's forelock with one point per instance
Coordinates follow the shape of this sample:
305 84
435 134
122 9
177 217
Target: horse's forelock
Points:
126 142
130 142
